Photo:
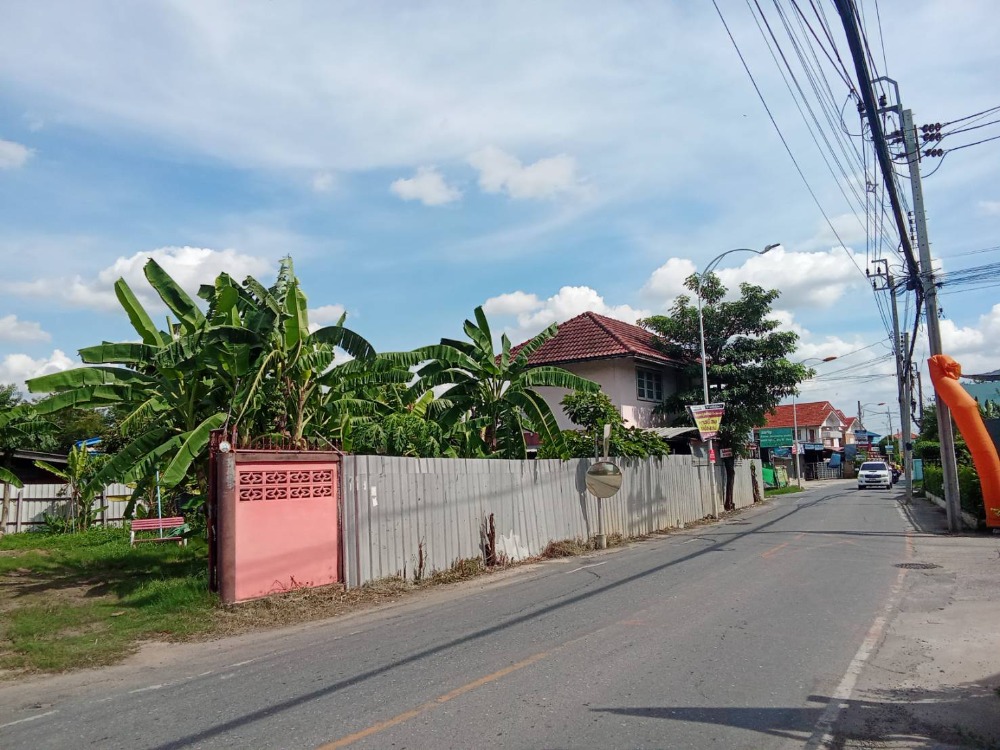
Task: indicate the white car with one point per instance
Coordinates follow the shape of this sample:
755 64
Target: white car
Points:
875 474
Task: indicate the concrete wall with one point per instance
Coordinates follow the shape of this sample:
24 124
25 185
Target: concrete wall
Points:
397 509
617 380
278 523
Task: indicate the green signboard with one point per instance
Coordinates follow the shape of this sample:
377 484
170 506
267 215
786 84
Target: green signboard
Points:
775 437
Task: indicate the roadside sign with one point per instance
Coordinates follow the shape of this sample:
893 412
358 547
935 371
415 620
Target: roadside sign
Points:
775 437
726 452
708 419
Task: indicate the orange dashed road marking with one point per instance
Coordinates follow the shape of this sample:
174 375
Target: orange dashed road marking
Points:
350 739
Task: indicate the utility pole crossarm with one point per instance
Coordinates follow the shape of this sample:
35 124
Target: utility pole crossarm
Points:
844 7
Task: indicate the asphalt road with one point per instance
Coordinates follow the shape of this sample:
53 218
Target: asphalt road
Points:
734 635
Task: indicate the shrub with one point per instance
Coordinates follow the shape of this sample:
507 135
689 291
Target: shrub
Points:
969 488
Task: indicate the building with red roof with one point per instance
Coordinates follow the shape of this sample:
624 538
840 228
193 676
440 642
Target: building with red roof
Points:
819 423
621 357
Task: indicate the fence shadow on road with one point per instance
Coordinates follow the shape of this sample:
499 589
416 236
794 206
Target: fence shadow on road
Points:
967 714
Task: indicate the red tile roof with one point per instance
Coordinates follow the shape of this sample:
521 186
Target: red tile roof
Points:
808 414
593 336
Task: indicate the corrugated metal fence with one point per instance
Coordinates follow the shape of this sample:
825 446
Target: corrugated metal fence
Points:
399 509
31 502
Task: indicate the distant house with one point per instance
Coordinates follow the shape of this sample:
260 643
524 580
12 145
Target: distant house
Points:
819 423
22 464
619 356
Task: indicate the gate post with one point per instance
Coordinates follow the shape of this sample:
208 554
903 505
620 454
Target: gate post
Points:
226 519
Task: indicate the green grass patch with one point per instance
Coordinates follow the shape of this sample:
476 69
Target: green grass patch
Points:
782 490
79 600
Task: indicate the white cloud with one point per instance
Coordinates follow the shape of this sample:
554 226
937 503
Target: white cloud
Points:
325 315
534 314
667 282
499 172
427 186
12 329
16 368
323 182
512 303
817 280
13 155
805 280
973 346
190 267
988 208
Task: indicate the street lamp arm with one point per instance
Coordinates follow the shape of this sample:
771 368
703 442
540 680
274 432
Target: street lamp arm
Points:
716 260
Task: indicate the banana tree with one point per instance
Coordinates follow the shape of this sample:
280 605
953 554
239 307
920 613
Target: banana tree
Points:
283 383
491 392
80 469
166 384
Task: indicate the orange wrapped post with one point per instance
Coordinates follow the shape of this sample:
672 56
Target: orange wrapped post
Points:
945 373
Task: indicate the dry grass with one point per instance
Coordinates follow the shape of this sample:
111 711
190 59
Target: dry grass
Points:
306 604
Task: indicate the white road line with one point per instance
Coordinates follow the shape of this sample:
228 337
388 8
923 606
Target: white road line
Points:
823 734
584 567
146 689
30 718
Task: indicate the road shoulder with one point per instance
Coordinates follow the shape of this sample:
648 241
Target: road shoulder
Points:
934 680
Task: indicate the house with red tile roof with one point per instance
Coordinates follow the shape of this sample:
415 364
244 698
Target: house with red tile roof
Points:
621 357
819 422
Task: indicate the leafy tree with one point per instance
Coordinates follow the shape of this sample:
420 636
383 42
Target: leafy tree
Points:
591 410
20 429
491 396
746 357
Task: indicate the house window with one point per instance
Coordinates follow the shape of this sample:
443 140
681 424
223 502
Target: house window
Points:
649 385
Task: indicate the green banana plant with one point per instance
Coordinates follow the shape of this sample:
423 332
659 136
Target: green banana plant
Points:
492 393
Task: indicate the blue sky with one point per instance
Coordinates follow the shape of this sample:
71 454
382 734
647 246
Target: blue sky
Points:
419 160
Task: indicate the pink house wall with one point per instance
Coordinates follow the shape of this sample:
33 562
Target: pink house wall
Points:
279 527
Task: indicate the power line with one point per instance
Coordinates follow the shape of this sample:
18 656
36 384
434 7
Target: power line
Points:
781 135
972 117
969 145
804 99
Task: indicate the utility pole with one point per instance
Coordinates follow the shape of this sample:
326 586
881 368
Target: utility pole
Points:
920 394
900 347
906 438
945 430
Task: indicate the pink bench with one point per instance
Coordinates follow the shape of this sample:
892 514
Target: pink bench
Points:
157 524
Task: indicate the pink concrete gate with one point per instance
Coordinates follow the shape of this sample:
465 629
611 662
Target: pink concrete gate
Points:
278 521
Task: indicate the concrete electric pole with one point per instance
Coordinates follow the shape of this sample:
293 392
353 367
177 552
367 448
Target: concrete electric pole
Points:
945 429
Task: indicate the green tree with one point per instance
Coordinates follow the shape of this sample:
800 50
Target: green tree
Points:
20 429
591 410
746 359
491 395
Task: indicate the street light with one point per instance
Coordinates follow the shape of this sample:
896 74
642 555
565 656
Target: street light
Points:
701 319
888 415
795 419
704 359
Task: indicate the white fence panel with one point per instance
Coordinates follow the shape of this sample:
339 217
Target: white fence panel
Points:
401 515
30 503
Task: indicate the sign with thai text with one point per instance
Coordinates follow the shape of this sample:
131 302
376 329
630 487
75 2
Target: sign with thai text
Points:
708 419
775 437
